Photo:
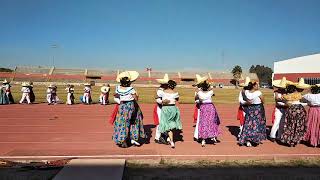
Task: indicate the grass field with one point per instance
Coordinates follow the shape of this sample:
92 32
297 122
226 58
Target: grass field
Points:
146 94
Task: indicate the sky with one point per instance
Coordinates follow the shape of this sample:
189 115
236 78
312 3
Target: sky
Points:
161 34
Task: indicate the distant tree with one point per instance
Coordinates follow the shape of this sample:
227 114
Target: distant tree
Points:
236 72
5 70
264 73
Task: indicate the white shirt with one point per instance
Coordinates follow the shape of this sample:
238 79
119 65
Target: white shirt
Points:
279 95
159 95
87 89
205 97
25 90
171 97
254 97
126 94
313 99
241 100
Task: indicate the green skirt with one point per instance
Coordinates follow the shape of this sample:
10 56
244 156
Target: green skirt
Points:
170 119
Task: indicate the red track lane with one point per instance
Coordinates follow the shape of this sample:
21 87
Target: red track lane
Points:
83 131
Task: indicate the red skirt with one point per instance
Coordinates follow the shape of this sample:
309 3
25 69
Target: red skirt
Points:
114 114
240 115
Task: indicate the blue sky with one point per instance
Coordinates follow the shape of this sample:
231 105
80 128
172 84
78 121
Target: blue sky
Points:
163 34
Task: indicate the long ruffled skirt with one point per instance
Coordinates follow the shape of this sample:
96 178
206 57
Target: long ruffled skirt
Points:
170 119
313 126
209 121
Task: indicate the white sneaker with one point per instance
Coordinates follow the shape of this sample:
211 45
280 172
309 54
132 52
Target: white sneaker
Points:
203 143
249 144
172 144
135 143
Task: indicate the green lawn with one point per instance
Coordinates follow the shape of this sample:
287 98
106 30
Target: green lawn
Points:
146 94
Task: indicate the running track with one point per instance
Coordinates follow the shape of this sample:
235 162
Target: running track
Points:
60 131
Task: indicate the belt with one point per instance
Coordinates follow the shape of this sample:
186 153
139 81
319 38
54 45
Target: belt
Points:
168 104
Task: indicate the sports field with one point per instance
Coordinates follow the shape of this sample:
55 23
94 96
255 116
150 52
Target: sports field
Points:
146 94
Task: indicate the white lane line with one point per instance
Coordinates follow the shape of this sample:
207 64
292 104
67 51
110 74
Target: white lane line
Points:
157 155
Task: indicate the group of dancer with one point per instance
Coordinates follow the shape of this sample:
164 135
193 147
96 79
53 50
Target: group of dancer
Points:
28 95
291 123
128 120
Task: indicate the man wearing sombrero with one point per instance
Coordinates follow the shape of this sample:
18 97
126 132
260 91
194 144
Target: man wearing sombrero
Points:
280 106
243 101
157 109
86 98
25 92
52 97
104 96
70 96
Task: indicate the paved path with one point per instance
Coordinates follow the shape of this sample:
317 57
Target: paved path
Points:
81 131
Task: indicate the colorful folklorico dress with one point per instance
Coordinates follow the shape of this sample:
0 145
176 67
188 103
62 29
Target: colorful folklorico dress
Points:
254 128
313 126
170 114
294 127
208 122
128 123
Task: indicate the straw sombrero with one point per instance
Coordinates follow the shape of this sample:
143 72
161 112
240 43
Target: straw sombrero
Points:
25 84
131 75
51 86
318 85
201 79
165 79
281 83
246 82
104 89
5 81
300 84
87 84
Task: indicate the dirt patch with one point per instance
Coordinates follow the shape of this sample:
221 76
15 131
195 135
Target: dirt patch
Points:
218 170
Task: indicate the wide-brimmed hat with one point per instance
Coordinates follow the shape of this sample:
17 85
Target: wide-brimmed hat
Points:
245 83
5 81
164 80
200 79
25 84
318 85
131 75
300 84
104 89
281 83
87 84
52 86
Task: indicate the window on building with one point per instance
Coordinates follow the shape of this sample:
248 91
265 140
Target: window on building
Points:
312 81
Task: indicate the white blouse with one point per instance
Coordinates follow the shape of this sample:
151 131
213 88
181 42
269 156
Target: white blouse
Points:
254 97
126 94
171 97
241 100
313 99
87 89
159 95
205 97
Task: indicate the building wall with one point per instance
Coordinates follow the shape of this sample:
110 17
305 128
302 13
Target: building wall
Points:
295 76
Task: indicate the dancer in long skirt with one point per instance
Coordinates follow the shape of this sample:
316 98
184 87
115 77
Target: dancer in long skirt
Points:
160 138
70 96
128 124
295 120
243 101
254 128
313 126
170 113
208 123
52 97
280 107
7 88
3 96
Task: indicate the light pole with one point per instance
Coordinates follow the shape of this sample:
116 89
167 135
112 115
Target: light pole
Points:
53 46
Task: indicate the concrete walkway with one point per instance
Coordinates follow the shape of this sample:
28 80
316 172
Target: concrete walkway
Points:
92 169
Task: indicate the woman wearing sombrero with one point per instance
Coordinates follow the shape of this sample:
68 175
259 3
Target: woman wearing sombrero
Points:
254 127
207 126
170 113
128 124
294 127
313 126
70 92
3 96
7 89
280 109
159 137
52 97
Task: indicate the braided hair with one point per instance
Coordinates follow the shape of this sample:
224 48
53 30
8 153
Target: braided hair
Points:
125 82
172 84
